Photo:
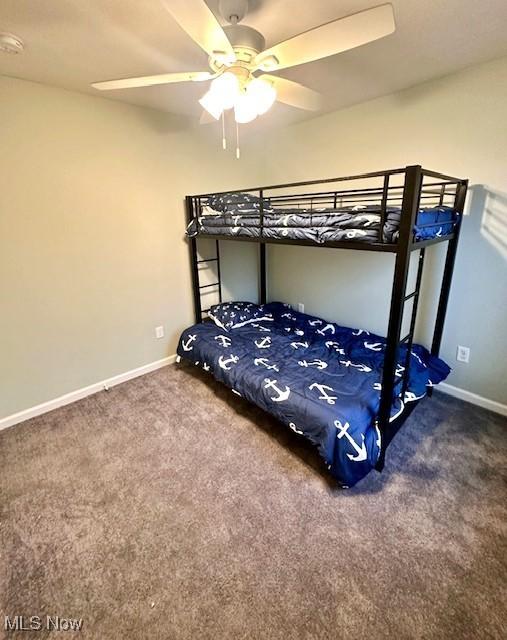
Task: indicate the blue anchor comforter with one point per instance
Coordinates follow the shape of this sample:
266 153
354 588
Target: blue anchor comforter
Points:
320 379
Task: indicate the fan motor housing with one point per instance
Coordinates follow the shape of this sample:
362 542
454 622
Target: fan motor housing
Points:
246 41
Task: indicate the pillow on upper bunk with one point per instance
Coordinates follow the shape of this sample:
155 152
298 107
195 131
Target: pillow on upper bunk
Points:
232 315
234 202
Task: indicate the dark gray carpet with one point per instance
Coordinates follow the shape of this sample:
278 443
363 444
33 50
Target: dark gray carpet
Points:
169 508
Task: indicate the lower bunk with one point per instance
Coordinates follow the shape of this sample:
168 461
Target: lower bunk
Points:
320 379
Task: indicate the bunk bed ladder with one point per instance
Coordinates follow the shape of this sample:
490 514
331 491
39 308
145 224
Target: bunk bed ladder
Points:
199 288
409 209
409 338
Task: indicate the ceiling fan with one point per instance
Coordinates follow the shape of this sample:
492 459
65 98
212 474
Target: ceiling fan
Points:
239 61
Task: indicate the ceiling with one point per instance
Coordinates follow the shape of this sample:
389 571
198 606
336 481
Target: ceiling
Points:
71 43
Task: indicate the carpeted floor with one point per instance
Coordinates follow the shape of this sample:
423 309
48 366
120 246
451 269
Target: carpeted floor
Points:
169 508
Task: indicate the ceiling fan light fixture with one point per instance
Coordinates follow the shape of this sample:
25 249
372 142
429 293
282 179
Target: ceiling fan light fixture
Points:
263 94
212 102
245 109
226 87
222 95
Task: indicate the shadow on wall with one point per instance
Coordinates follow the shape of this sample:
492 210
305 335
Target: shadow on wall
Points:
493 205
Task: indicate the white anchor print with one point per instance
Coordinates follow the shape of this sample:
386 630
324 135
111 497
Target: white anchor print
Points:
187 345
289 316
295 429
314 323
360 450
330 344
299 332
296 345
324 329
320 364
261 328
322 388
377 386
283 394
411 397
369 219
360 332
374 346
285 219
265 343
224 362
206 366
265 363
399 370
360 367
224 341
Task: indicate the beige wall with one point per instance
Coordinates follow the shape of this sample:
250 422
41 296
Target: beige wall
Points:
92 255
456 125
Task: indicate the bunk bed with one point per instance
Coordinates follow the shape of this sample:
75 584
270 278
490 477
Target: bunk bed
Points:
346 390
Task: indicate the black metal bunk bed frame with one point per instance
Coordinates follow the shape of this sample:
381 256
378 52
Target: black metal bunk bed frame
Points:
411 193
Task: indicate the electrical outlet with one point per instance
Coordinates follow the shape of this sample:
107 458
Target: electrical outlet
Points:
159 332
463 354
301 307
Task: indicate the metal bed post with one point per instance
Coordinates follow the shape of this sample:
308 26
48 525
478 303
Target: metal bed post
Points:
189 204
409 209
459 205
262 255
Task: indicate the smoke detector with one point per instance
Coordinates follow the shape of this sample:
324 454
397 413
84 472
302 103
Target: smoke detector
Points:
9 43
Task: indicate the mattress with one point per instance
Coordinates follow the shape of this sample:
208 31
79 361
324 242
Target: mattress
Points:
237 217
320 379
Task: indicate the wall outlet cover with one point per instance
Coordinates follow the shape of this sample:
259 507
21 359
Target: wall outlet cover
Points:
301 307
463 354
159 332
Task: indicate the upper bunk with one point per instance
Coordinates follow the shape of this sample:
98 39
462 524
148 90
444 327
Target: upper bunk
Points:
364 212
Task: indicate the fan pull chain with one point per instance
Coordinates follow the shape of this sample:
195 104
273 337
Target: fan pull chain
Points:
237 141
224 140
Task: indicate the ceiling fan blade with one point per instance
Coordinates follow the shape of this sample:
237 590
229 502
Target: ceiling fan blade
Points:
146 81
330 39
197 19
295 94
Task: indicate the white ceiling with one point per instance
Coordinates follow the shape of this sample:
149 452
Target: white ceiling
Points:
71 43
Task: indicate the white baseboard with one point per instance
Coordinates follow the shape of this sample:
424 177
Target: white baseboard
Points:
468 396
73 396
39 409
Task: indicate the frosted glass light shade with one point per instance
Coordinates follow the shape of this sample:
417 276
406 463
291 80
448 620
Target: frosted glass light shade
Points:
227 86
222 94
262 93
212 102
245 109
